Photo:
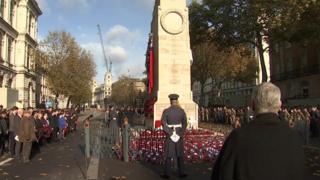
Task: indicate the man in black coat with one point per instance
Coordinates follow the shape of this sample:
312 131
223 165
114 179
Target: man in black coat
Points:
265 149
12 128
174 121
54 125
3 131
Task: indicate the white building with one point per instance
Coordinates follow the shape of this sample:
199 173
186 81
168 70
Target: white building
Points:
139 86
102 92
18 32
43 93
99 95
107 84
94 85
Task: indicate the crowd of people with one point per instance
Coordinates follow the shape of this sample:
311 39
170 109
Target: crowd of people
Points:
24 131
306 120
225 115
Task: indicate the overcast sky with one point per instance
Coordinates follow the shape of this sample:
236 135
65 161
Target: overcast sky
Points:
125 26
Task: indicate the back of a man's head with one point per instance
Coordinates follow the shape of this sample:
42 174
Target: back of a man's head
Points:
266 98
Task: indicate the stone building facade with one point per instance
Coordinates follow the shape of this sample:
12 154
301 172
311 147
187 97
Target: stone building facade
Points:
43 93
99 95
18 32
295 68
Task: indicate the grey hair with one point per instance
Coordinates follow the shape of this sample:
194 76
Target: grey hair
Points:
266 98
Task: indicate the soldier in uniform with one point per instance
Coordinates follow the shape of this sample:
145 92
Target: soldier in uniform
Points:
106 117
174 123
114 128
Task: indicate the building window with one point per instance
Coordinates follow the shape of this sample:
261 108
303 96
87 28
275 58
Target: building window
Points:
1 45
30 95
12 4
1 81
305 92
30 23
2 5
304 58
9 50
10 83
29 65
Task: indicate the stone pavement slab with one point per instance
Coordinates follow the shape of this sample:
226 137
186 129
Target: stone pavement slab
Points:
92 172
115 169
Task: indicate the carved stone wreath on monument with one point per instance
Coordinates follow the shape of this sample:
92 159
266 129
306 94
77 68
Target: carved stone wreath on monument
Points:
172 21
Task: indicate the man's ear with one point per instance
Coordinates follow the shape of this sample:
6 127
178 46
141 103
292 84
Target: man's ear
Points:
280 104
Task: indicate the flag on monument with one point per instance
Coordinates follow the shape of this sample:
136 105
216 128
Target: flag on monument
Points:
151 67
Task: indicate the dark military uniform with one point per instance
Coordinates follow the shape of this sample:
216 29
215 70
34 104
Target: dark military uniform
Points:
114 128
174 115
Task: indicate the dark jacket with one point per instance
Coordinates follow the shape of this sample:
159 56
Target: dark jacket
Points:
14 123
52 122
55 121
121 116
11 122
39 127
172 116
265 149
27 130
3 126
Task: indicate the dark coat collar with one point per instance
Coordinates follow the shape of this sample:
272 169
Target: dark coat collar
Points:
266 118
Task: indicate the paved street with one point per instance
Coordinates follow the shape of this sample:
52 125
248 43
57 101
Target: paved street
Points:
113 169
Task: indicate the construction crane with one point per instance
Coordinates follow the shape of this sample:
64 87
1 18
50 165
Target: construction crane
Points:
108 63
108 75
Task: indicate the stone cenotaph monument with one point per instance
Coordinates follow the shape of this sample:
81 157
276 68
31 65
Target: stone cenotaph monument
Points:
171 66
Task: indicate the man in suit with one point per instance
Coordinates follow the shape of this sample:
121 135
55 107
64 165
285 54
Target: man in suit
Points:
27 135
266 148
174 123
